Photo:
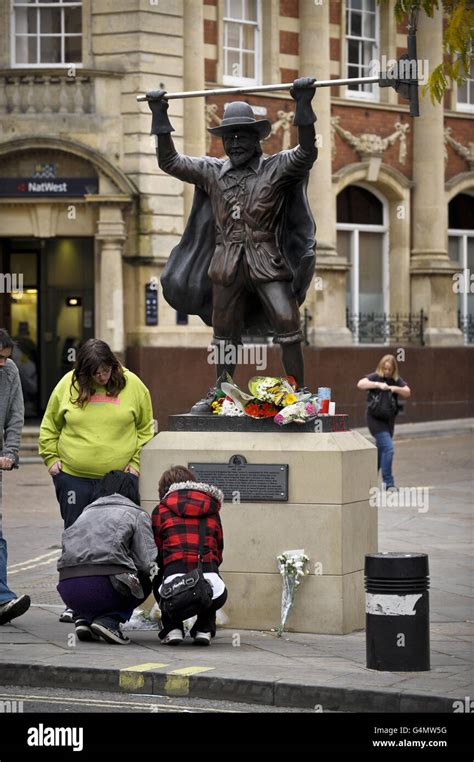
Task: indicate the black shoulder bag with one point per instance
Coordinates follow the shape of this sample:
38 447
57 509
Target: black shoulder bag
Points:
188 594
382 404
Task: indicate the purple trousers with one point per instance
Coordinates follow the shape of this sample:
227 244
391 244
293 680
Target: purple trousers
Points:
95 597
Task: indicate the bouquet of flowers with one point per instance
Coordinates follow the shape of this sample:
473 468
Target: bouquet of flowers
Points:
292 568
299 412
270 397
279 391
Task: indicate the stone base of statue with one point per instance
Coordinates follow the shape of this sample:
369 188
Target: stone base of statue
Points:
299 489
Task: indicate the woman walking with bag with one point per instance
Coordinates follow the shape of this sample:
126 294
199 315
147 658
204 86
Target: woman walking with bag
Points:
385 386
187 526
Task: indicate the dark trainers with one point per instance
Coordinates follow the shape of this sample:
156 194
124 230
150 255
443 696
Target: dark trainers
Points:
14 608
67 616
110 634
84 631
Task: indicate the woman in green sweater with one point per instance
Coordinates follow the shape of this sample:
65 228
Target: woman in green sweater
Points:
98 418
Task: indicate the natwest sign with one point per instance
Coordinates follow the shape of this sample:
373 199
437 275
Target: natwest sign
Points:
36 186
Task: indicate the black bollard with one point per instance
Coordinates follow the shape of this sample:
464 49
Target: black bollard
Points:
397 612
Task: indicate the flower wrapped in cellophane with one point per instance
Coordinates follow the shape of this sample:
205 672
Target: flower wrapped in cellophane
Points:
279 391
300 412
292 565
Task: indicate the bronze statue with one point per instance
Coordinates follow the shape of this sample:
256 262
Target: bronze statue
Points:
246 257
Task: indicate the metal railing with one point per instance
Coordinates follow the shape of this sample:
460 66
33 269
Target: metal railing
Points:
466 325
384 328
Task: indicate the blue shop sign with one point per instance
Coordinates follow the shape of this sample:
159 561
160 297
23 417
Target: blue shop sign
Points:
58 186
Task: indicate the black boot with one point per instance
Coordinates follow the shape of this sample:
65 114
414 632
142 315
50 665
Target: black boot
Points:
293 363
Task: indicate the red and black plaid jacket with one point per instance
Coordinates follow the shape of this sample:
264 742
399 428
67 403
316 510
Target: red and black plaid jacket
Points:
176 527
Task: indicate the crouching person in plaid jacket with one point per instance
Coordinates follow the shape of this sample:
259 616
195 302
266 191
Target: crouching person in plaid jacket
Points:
184 503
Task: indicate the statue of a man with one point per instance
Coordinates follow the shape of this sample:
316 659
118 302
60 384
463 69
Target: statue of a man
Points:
246 258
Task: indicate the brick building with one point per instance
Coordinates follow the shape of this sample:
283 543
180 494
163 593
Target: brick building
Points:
89 220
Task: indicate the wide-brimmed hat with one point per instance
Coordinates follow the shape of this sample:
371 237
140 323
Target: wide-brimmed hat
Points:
240 114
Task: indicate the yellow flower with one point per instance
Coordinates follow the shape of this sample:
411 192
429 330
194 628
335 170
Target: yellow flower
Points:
289 399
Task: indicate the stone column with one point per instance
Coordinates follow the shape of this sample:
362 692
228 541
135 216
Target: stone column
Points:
431 269
327 299
111 236
193 79
270 42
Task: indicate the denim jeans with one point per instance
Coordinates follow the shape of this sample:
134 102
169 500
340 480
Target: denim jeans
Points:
73 494
384 443
5 592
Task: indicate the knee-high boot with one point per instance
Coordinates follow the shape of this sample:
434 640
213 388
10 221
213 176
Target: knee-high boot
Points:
293 362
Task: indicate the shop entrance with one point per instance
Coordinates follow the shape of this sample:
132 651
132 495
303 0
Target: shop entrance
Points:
49 309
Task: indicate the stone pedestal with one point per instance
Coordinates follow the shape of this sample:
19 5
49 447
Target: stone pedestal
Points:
327 514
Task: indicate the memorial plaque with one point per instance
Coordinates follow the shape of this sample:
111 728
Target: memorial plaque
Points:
246 482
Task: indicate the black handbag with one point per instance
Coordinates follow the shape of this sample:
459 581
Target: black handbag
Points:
188 594
382 404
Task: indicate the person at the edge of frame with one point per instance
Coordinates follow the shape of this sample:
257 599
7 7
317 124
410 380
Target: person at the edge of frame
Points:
386 379
11 425
246 258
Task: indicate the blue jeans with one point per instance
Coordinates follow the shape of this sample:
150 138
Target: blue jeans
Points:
384 443
5 592
73 494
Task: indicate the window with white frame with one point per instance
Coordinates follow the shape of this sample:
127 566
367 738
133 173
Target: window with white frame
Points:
362 237
242 42
461 250
46 32
465 97
362 34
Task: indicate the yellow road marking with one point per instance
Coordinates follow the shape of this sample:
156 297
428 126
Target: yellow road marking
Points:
54 553
143 667
132 678
190 670
111 703
177 681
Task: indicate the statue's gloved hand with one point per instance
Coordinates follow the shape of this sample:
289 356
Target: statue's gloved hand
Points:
303 91
160 123
303 88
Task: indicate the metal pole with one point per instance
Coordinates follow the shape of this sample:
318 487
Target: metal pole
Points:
261 88
412 54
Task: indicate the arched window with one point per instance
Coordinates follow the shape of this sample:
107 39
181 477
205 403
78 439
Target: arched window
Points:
362 236
461 250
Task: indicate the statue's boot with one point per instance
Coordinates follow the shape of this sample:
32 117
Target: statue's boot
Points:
293 363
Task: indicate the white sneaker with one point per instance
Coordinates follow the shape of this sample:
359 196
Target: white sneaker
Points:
202 639
67 616
174 638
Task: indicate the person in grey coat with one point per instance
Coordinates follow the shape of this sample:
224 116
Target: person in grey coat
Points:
108 560
11 424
